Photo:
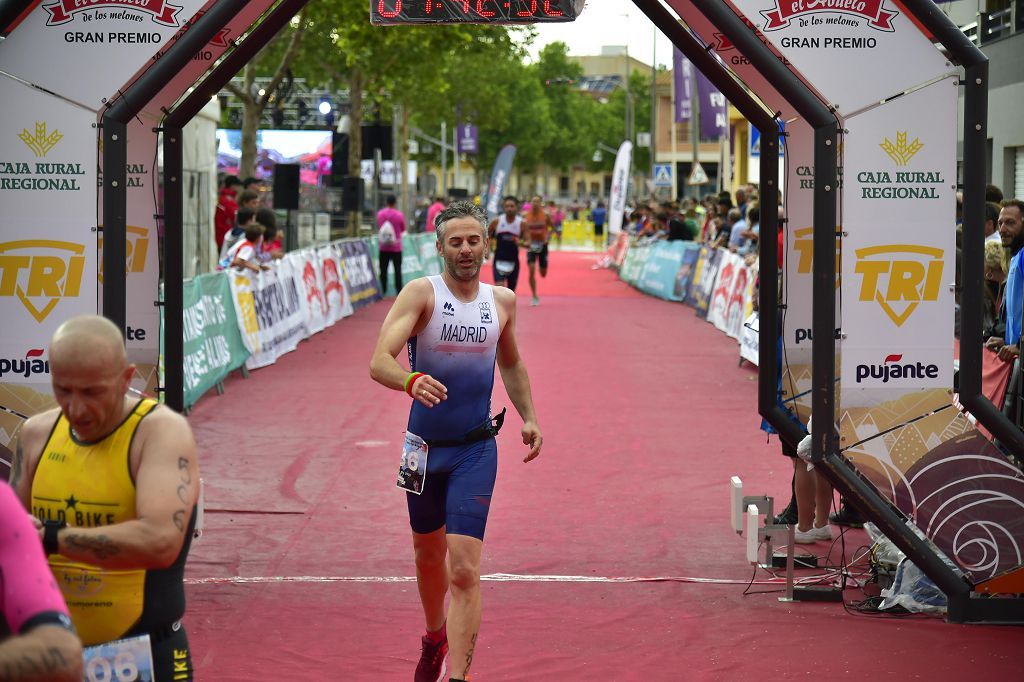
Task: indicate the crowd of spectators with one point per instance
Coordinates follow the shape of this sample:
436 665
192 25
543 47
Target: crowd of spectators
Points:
246 230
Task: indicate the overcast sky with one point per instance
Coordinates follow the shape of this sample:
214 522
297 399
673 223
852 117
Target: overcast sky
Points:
608 22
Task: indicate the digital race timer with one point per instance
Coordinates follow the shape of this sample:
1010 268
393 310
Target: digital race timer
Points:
473 11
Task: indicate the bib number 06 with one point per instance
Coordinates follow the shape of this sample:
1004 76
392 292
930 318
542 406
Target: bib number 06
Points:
121 669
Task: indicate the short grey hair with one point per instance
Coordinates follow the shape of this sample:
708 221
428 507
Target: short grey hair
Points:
460 209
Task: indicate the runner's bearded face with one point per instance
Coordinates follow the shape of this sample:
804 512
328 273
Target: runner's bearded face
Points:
463 249
511 210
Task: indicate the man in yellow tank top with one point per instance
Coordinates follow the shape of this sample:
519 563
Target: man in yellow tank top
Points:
112 481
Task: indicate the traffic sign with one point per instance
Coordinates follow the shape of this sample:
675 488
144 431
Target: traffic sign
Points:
697 176
662 175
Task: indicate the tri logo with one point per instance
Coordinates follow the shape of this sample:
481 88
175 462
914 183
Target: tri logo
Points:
40 272
899 277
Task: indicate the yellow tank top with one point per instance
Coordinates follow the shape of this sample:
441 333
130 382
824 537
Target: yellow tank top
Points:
87 485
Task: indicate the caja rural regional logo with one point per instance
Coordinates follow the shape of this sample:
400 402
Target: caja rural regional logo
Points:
902 184
899 277
40 142
785 11
40 272
40 175
902 151
160 11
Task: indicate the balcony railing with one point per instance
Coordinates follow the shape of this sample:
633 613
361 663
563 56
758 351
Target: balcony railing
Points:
997 24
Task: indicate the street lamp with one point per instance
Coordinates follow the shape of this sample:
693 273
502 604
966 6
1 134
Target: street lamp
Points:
600 147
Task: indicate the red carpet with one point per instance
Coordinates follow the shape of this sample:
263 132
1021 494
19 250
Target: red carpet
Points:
645 415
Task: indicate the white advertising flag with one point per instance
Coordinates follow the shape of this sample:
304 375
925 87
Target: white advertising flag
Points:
899 253
620 186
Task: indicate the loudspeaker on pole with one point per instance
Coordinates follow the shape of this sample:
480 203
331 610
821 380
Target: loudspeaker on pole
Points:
286 186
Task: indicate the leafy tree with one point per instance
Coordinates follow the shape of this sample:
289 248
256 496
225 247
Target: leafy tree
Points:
275 59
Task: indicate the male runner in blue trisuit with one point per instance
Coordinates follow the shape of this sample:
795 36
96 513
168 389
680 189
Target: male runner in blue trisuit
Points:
456 328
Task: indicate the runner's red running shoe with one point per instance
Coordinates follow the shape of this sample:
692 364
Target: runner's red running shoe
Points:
431 667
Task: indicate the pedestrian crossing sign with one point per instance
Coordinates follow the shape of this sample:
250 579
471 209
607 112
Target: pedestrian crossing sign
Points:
662 175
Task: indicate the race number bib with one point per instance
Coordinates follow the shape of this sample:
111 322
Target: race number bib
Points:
123 660
413 470
536 247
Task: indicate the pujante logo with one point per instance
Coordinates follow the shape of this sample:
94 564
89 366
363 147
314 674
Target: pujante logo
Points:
901 152
891 368
33 363
41 142
448 309
785 11
899 277
40 272
161 11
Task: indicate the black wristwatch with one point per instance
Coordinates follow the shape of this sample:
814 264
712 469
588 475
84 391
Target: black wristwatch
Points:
50 530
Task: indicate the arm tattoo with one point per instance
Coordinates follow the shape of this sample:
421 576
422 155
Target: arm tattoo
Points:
183 463
51 661
179 519
101 546
17 466
186 480
469 654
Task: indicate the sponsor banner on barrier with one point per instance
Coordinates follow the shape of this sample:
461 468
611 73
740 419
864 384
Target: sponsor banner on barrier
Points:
704 279
359 273
430 261
687 267
636 261
659 274
213 344
86 51
271 311
335 295
47 239
872 43
750 339
306 264
726 309
898 300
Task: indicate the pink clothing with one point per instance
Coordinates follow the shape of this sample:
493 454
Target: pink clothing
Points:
432 212
397 222
28 587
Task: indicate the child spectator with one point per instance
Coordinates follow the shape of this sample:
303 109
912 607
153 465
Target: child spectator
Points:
243 255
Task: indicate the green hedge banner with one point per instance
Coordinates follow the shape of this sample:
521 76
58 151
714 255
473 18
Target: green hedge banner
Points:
213 345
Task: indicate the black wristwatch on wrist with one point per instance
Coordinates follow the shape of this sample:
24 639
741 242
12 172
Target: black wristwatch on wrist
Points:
50 530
